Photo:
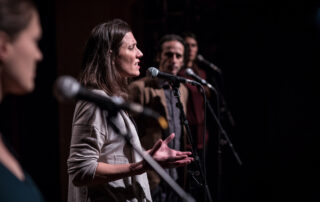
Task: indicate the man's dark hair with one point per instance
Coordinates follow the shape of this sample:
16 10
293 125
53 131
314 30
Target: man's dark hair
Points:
172 37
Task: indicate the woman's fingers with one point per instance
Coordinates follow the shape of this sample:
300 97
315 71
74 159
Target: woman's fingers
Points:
176 158
179 158
169 138
183 153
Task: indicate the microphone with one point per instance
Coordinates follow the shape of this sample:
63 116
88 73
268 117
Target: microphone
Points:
154 72
191 73
208 63
68 88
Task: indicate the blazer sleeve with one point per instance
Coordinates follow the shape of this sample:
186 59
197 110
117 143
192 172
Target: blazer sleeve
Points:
88 137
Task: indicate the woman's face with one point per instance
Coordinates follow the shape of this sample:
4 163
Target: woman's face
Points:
193 48
20 58
128 58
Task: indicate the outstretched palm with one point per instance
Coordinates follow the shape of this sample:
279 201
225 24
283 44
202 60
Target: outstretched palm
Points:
168 157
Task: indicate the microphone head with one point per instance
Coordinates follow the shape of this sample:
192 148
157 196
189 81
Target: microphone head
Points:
153 72
66 88
209 64
200 58
189 71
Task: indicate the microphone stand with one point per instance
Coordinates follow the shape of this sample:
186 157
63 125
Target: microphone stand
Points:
221 131
225 135
225 108
175 87
181 193
219 72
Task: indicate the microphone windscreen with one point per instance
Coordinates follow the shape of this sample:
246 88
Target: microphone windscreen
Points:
66 88
200 57
189 71
153 72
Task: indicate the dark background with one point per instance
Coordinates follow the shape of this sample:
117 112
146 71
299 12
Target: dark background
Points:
268 52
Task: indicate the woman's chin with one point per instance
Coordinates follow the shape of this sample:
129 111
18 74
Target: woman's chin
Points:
136 73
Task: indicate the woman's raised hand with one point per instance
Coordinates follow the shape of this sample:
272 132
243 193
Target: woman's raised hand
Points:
167 157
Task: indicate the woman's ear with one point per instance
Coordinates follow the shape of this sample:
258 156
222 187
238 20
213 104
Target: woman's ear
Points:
111 56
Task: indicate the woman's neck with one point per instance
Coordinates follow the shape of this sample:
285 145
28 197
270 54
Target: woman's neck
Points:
190 64
8 160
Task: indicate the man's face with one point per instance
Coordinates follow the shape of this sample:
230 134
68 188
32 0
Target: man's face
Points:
171 57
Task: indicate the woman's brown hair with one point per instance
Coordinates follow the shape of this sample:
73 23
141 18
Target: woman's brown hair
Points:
102 47
15 16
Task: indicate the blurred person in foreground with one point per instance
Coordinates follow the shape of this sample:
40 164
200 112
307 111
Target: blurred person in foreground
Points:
20 32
